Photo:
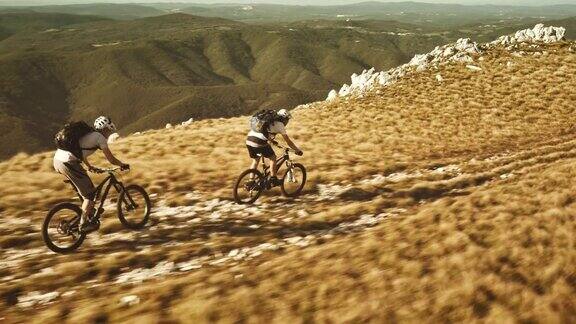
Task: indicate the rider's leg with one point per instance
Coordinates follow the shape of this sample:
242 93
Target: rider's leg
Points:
86 189
87 210
274 179
273 162
255 163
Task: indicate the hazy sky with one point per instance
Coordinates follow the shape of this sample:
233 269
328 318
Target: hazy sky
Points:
300 2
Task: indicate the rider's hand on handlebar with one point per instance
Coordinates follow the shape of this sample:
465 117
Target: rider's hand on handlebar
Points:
299 152
95 170
125 167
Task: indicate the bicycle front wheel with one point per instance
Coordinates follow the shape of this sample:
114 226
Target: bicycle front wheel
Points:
134 207
60 229
248 187
294 180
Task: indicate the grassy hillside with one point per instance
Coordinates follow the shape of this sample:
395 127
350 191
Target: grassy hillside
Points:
427 200
146 73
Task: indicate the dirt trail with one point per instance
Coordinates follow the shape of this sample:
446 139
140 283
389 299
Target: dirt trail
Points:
215 232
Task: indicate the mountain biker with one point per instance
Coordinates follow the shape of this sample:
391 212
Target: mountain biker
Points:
258 144
67 164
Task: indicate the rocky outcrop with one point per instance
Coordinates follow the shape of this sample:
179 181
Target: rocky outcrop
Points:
539 33
463 51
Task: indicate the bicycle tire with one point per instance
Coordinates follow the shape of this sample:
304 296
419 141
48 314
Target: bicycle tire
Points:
259 189
131 189
300 188
45 226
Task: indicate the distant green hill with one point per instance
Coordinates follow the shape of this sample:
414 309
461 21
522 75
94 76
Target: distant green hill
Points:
108 10
18 21
421 13
148 72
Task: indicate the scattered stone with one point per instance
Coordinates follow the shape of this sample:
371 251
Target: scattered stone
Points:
303 213
332 95
139 275
188 122
113 138
106 44
439 78
537 34
168 126
36 298
473 68
129 300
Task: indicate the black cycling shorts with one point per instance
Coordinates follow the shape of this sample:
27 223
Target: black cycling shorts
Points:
265 151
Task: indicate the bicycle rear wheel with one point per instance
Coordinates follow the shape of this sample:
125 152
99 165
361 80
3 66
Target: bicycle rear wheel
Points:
60 228
249 186
293 180
134 207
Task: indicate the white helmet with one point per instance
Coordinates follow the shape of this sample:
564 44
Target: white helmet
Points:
104 122
284 114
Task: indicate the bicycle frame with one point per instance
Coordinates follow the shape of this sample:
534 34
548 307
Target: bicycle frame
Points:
104 186
279 161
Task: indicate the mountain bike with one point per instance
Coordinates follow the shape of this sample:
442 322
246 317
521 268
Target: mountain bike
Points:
61 231
252 182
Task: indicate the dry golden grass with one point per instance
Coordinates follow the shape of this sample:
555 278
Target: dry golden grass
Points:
471 114
479 246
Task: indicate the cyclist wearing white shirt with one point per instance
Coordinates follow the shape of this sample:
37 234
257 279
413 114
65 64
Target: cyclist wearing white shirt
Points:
259 146
67 164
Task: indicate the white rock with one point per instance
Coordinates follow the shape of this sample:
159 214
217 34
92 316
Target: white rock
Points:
36 298
129 300
188 122
537 34
139 275
113 138
439 78
332 95
473 68
168 126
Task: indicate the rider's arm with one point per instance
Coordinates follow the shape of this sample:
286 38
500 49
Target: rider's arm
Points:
290 143
111 158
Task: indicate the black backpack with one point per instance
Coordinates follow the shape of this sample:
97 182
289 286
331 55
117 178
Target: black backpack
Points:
68 138
261 121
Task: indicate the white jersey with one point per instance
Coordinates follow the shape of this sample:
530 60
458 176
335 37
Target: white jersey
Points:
257 139
89 144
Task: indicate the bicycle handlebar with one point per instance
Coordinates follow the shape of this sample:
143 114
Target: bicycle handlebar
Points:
112 170
282 147
286 149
